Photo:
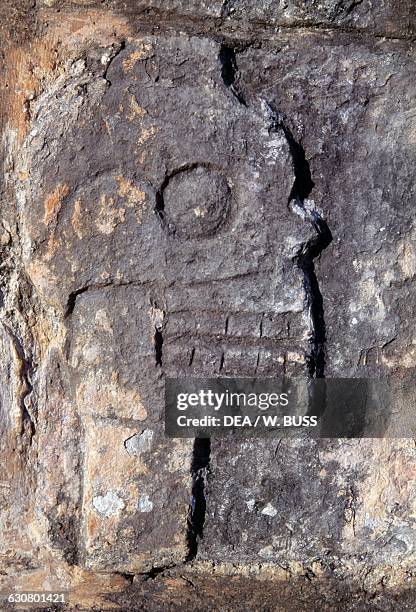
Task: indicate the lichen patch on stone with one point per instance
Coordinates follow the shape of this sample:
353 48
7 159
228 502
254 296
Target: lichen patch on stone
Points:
145 504
140 442
109 504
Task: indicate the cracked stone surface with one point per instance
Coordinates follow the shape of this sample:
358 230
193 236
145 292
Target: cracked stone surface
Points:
166 166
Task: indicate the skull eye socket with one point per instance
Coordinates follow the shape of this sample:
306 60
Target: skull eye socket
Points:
195 202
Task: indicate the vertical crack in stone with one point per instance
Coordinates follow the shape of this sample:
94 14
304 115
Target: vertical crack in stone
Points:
191 358
25 374
312 249
229 72
199 471
160 206
158 340
157 316
305 261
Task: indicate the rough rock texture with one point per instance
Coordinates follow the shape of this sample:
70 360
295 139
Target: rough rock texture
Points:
171 173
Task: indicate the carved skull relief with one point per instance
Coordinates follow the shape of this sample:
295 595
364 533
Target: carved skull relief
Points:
159 241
